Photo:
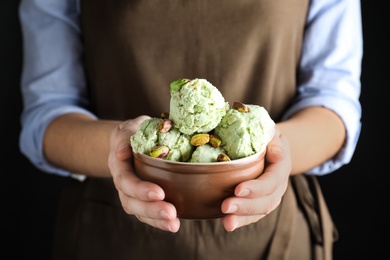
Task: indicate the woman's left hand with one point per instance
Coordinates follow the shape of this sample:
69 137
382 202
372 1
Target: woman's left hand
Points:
255 199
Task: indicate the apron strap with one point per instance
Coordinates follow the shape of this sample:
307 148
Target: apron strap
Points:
304 192
281 242
314 207
329 231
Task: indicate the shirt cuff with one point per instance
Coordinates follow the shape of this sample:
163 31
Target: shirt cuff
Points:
348 114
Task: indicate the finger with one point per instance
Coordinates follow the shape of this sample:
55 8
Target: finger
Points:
276 172
149 209
260 205
121 137
273 180
122 170
255 206
172 225
159 214
278 149
256 198
274 175
259 196
131 185
232 222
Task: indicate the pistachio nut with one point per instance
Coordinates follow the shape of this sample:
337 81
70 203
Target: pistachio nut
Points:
164 115
215 141
240 107
200 139
159 151
164 125
223 158
177 84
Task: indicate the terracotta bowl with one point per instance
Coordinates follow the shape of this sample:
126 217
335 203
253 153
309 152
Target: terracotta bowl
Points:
198 189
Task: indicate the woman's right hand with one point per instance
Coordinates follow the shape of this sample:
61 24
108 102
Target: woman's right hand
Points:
145 200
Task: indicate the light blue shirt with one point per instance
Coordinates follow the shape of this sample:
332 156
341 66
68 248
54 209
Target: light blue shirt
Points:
53 81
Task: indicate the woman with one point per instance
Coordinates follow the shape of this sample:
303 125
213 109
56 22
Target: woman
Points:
94 70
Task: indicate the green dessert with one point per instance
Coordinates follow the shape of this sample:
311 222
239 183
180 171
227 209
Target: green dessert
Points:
202 128
156 137
245 130
206 154
196 106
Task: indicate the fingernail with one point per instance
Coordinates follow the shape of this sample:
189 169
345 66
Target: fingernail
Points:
233 208
243 193
153 195
234 226
168 227
164 214
276 149
123 147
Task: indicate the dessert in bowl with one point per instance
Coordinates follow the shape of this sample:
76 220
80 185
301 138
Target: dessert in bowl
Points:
197 190
202 148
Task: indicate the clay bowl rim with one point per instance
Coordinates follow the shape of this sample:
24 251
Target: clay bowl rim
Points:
199 167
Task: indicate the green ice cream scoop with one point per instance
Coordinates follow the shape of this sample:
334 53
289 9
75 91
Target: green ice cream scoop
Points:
196 106
206 154
245 131
149 136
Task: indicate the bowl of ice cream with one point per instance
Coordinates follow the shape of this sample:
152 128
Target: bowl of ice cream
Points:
202 149
197 190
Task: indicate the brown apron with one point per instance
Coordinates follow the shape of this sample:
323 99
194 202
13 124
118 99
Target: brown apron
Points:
133 50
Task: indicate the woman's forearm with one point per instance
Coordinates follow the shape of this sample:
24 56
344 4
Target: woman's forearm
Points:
79 144
315 135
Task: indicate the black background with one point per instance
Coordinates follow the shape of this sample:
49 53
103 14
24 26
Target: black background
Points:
356 194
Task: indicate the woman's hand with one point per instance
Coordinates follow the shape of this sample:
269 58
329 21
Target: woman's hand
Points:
256 198
139 198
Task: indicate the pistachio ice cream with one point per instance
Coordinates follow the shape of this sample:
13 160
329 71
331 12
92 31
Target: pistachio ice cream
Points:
206 154
196 106
245 130
153 139
202 128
